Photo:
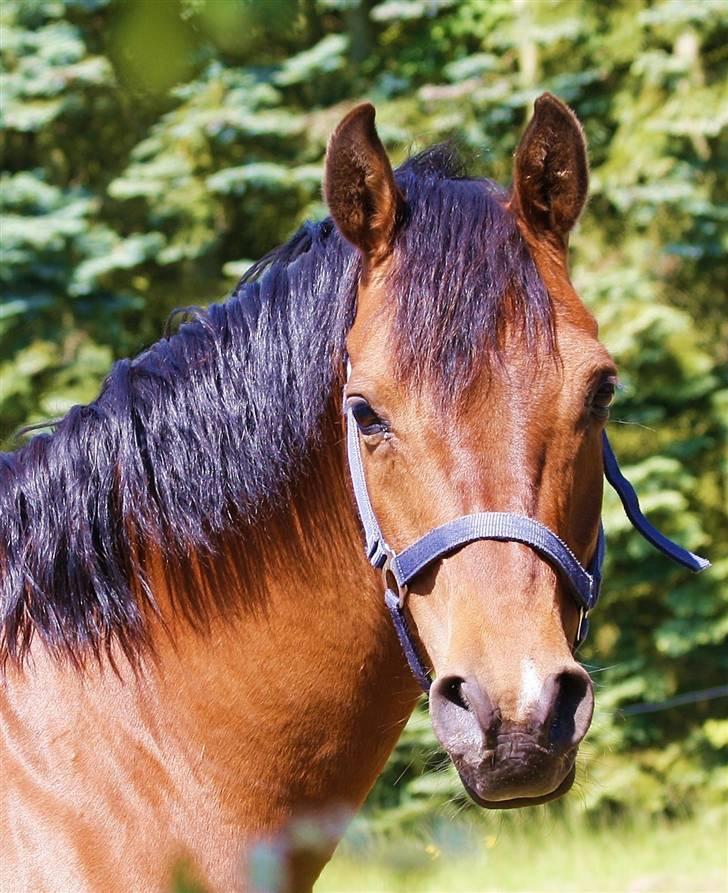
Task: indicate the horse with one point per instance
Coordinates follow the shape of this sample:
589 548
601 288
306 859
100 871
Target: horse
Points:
195 649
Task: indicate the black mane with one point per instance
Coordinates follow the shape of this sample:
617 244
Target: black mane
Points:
209 429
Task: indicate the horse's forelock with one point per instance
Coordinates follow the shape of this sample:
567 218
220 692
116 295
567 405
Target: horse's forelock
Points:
462 272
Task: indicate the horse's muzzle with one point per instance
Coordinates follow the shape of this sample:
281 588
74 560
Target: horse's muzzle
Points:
507 762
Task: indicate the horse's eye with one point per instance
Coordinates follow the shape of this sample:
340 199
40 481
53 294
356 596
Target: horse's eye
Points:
602 398
367 420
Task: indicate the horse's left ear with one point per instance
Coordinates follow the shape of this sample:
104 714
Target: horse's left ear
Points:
359 184
551 174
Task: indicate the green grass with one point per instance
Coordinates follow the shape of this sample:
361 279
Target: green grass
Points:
533 852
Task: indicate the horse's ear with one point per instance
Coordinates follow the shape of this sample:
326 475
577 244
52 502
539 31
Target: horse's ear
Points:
551 175
359 184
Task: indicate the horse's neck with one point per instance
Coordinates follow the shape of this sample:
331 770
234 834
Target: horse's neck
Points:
282 713
307 683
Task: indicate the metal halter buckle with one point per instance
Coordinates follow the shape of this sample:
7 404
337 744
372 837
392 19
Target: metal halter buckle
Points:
582 628
390 579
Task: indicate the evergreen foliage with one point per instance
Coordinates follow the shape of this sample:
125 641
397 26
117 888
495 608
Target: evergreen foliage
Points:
153 150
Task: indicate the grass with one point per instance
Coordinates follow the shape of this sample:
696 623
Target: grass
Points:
535 853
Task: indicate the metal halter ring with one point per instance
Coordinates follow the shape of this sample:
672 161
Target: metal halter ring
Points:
390 578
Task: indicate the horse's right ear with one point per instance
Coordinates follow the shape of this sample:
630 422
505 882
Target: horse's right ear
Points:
359 184
551 174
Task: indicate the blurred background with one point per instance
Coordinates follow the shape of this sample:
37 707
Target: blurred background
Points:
153 148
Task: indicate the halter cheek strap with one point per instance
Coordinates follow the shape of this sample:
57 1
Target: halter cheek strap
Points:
399 569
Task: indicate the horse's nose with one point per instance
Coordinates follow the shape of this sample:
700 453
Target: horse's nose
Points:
559 718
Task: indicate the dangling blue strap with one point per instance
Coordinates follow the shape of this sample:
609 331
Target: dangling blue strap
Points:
631 505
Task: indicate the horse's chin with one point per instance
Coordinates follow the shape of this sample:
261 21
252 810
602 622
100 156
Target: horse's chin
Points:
519 802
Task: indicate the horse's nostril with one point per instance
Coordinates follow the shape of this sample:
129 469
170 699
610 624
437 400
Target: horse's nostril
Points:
570 710
452 691
460 708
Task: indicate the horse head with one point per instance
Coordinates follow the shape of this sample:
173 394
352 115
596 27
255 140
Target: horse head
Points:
478 384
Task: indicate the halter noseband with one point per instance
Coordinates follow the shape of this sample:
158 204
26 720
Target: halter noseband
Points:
399 569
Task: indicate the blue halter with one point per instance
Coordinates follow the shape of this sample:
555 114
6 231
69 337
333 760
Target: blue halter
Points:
399 569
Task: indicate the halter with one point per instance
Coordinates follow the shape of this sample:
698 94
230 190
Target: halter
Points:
399 569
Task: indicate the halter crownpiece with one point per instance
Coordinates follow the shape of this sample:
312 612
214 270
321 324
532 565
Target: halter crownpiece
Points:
399 569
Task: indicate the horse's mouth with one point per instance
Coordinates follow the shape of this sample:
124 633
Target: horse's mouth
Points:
519 802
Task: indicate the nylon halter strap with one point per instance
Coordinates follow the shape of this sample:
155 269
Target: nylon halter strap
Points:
399 569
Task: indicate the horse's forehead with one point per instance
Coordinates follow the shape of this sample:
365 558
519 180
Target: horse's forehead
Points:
575 350
559 352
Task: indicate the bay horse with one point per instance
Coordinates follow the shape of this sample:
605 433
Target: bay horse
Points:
195 648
